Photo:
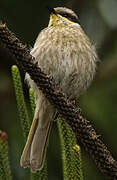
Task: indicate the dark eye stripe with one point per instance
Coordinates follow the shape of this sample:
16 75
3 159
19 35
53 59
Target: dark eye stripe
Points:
70 17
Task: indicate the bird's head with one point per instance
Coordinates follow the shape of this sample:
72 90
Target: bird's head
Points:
62 16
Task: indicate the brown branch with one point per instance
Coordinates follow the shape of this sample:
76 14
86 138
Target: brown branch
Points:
82 128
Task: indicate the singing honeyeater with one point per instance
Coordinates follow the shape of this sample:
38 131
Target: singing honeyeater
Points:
63 51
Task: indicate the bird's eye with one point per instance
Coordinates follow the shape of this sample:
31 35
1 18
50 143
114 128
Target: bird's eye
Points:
65 15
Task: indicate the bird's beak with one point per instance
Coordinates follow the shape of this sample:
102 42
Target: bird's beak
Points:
51 10
53 16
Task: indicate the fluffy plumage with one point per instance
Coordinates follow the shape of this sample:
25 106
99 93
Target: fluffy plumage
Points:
65 52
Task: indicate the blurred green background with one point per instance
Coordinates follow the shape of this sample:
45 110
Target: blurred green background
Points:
99 20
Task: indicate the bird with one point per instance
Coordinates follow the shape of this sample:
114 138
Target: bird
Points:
62 50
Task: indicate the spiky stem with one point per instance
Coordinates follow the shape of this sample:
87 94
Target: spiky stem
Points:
5 171
22 109
70 158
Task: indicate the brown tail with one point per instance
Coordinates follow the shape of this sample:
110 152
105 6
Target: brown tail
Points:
35 149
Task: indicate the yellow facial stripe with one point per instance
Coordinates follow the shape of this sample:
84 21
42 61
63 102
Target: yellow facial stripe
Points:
70 20
55 17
